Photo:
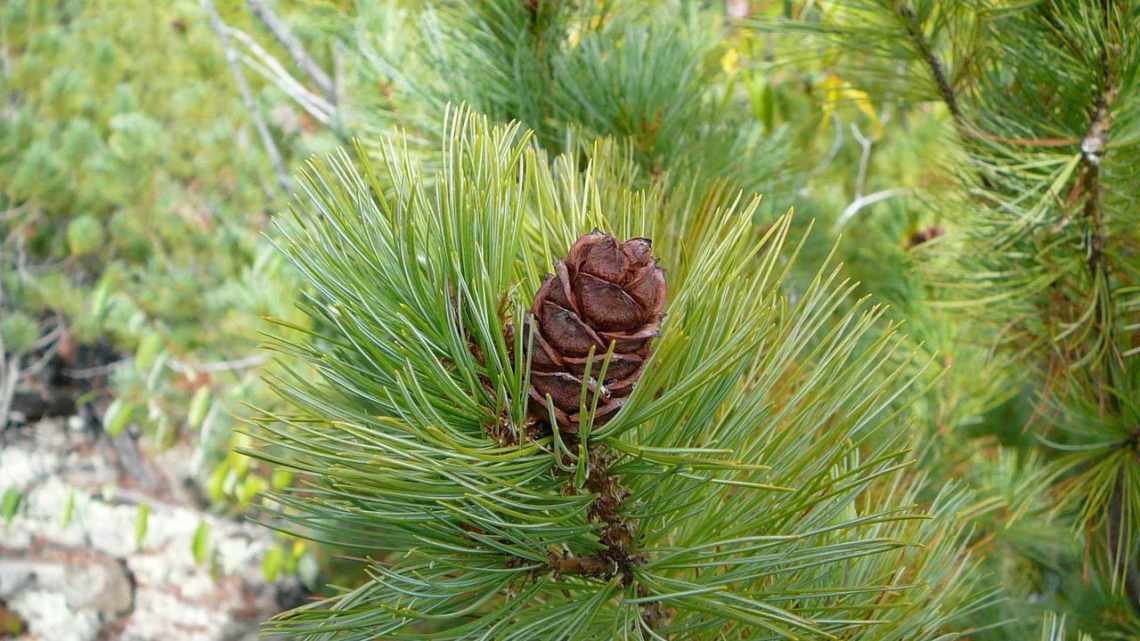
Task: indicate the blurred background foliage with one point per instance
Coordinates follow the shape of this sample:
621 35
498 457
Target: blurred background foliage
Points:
139 180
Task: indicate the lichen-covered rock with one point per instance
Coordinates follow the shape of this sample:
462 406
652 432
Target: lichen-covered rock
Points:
76 566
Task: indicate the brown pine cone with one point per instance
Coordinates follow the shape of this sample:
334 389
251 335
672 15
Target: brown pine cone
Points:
921 236
603 292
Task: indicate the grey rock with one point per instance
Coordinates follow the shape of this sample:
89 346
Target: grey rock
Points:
72 569
102 586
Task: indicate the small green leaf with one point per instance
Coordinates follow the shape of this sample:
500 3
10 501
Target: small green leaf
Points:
272 562
154 375
10 503
142 522
68 509
241 463
200 546
97 304
165 432
309 569
281 478
216 485
250 487
148 349
768 107
117 416
295 555
19 332
199 404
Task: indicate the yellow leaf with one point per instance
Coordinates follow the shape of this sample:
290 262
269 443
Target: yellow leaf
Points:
730 61
575 36
836 89
863 102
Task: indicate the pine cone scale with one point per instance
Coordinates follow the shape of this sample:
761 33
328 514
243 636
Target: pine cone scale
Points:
560 291
606 305
631 343
566 333
648 290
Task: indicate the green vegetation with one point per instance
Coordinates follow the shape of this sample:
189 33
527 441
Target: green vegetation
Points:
136 199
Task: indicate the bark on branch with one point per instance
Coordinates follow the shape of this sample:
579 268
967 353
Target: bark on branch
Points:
938 74
1093 148
933 63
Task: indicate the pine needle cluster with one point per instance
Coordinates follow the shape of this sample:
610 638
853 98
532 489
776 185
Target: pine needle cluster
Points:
760 468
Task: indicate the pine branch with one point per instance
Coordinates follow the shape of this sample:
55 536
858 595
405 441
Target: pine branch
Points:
938 73
1093 148
645 528
933 63
272 70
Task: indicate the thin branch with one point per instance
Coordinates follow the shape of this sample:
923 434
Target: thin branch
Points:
938 74
865 201
45 358
836 145
247 362
9 374
338 70
296 50
273 71
97 371
918 38
247 96
864 159
1093 147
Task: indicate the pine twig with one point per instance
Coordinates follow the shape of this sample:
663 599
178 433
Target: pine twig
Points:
247 96
863 201
865 145
248 362
98 370
1093 147
937 71
296 50
9 374
938 74
273 71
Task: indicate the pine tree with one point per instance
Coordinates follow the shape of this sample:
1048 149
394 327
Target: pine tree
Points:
1041 256
756 482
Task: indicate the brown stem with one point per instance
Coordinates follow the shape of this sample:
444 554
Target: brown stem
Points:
938 74
618 535
617 531
1093 148
937 71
